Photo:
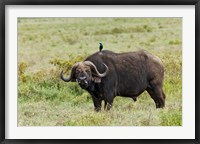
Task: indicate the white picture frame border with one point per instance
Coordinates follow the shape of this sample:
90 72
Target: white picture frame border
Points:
186 131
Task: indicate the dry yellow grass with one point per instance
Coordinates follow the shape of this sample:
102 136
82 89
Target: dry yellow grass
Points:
47 44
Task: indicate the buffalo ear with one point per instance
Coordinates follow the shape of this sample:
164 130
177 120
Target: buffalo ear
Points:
73 73
96 79
73 79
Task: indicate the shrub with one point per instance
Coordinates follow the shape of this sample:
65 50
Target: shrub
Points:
67 64
22 66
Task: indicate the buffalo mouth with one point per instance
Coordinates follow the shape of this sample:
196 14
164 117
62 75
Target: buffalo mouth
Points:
83 83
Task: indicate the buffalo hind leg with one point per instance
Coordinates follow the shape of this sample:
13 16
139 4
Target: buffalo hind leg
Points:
157 95
135 99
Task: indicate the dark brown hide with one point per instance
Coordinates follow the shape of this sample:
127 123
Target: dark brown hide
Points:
128 75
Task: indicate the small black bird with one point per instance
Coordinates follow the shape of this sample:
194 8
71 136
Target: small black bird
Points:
100 46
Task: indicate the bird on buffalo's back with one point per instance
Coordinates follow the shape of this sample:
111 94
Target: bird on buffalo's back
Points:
100 46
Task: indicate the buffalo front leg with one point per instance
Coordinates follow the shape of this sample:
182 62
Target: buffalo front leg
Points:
108 102
107 105
97 103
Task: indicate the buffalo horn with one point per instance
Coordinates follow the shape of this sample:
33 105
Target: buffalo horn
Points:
63 78
68 79
95 69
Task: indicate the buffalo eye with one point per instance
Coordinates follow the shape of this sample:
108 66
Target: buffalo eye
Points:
88 71
78 71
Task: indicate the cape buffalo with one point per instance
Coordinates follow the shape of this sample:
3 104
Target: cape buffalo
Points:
106 74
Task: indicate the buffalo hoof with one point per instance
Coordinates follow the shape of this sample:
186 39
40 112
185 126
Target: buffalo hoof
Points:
97 109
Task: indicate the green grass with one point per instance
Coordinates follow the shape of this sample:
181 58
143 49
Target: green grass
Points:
48 45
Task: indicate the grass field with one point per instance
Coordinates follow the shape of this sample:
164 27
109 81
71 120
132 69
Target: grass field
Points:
48 45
